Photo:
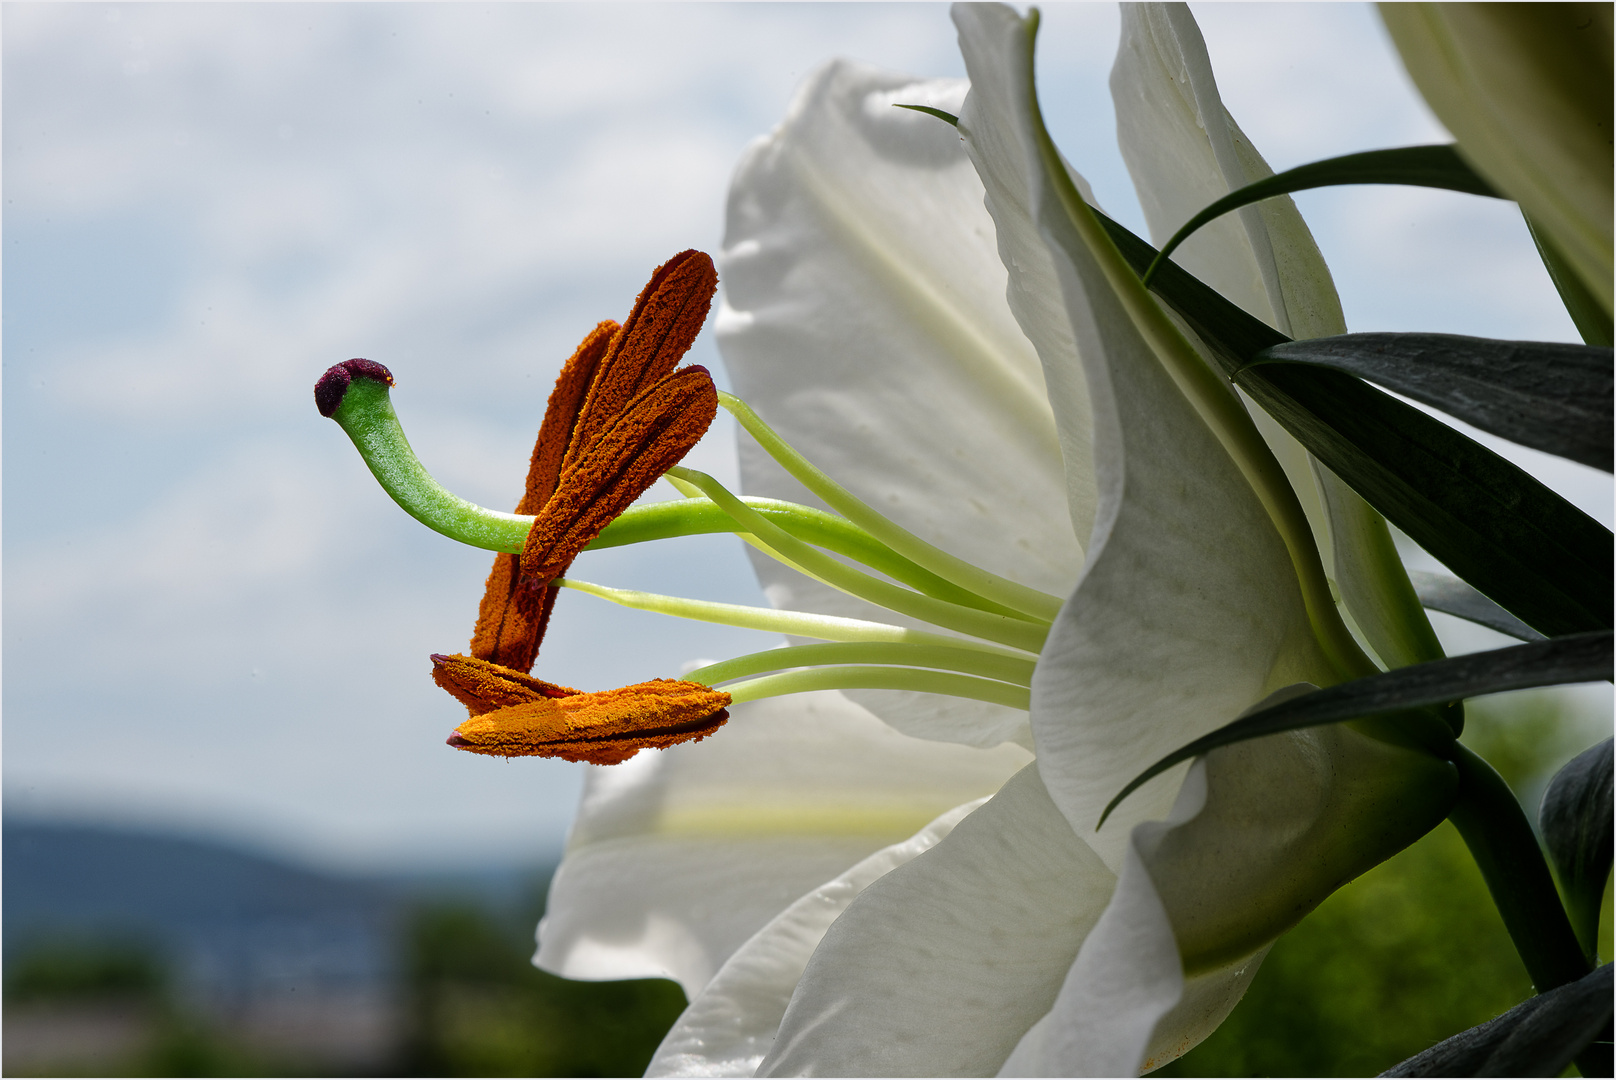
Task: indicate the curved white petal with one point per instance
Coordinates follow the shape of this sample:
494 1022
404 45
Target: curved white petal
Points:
1184 151
864 317
938 967
993 140
1260 832
730 1026
678 856
1126 1006
1188 609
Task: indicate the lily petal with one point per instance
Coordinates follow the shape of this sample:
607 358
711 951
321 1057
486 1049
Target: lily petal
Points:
676 858
1526 90
1188 609
938 968
881 346
1184 150
729 1028
1126 1006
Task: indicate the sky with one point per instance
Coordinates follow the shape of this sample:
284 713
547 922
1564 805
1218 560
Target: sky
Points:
213 619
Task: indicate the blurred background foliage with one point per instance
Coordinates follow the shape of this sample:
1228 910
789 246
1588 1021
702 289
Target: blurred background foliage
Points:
1405 956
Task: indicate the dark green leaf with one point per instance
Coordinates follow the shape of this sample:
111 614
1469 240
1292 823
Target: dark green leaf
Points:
1418 166
1549 396
1490 522
1578 658
1439 592
1576 822
1591 319
946 117
1538 1037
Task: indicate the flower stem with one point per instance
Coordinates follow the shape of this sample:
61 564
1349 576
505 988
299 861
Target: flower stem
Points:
1020 598
1500 839
1016 632
949 658
873 677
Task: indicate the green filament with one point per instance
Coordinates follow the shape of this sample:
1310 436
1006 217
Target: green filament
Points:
1009 631
693 516
798 623
1030 602
949 658
873 677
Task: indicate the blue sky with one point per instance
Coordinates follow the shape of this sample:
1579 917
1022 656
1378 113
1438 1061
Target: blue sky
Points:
213 618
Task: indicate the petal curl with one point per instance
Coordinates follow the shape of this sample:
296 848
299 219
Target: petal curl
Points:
676 858
939 967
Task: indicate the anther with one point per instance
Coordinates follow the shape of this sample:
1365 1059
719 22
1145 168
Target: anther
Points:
604 728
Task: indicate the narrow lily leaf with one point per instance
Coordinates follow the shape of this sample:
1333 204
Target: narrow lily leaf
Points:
1576 821
1490 522
1538 1037
1439 592
1417 166
1546 395
946 117
1577 658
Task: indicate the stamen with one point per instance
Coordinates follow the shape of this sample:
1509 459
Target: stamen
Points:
515 610
872 677
667 316
652 433
697 514
799 623
1020 598
1021 633
482 686
1011 669
604 728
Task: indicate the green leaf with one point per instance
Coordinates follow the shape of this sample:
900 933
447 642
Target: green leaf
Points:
1592 320
1439 592
1578 658
1549 396
1490 522
946 117
1576 822
1417 166
1538 1037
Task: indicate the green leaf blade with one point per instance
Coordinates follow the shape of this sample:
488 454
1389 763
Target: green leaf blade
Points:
1549 396
1438 166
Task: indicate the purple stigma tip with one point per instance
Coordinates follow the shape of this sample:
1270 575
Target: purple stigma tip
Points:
456 741
333 385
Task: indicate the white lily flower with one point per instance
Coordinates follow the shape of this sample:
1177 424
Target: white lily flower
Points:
1049 424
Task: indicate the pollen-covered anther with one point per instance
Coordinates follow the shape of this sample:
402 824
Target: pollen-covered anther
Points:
654 432
482 686
604 728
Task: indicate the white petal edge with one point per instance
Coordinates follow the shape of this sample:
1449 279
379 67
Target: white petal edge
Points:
678 856
939 967
729 1027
